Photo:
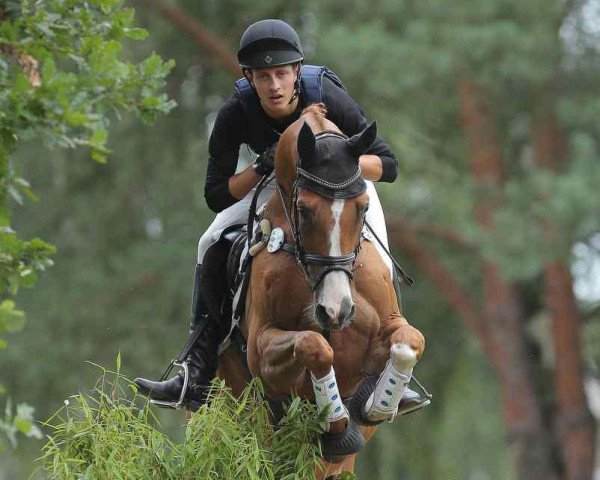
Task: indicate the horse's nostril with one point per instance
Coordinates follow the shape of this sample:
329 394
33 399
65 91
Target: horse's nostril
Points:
329 317
347 310
322 314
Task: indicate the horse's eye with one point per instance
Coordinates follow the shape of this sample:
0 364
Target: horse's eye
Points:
362 209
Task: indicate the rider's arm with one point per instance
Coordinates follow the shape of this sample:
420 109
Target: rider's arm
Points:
223 188
371 167
241 183
379 163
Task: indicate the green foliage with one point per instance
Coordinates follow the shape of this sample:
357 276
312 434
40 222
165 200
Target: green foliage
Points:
105 435
19 421
21 261
11 320
61 78
234 439
78 46
108 435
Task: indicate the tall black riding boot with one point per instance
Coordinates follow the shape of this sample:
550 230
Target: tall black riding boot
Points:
201 361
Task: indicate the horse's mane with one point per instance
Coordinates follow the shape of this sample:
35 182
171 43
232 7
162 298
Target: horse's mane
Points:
316 109
315 115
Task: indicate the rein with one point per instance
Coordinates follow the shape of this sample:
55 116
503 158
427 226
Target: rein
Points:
344 263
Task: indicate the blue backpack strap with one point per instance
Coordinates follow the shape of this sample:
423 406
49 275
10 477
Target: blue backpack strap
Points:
311 88
248 97
311 82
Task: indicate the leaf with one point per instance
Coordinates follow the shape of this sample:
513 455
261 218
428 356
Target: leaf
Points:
99 157
119 362
136 33
22 84
12 319
99 137
48 70
75 118
28 278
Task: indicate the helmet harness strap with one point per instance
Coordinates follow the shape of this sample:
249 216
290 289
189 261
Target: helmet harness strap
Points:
296 83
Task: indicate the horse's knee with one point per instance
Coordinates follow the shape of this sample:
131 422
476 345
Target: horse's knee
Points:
403 357
313 351
409 335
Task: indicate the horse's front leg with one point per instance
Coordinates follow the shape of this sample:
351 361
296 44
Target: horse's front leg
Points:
406 347
282 361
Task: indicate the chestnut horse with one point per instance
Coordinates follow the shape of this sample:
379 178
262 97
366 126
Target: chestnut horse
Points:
321 313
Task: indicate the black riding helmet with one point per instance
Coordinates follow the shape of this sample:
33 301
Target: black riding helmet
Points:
269 43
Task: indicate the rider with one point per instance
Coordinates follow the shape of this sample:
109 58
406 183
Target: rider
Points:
265 103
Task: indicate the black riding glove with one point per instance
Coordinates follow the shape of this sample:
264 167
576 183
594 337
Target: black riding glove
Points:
265 162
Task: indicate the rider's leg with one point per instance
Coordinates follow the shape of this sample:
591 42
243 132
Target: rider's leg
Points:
202 359
376 220
411 400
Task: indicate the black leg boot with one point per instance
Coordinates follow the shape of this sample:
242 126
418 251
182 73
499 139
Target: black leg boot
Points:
201 361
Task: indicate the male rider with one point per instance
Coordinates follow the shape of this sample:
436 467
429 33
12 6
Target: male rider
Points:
265 103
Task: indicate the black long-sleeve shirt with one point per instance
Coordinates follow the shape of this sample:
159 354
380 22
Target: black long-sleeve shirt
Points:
233 127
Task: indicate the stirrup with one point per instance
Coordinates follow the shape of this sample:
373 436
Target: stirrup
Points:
179 404
426 399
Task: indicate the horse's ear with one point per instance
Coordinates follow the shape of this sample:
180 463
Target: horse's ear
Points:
306 145
361 142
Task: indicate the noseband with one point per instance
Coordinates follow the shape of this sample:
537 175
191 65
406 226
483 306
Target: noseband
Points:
344 263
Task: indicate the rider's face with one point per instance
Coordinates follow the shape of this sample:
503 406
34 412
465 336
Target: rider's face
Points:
275 87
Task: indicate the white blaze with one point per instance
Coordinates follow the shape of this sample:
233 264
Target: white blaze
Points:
335 286
337 208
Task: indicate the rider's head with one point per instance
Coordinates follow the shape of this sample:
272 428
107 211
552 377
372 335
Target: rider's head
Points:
270 55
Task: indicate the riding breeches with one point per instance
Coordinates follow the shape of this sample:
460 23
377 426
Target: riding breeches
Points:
237 214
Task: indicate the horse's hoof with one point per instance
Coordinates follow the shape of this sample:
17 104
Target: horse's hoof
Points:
336 447
359 399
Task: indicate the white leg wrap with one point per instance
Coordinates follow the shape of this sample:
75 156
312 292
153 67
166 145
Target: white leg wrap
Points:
327 393
391 385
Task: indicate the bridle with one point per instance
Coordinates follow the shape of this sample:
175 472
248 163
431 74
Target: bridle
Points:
344 263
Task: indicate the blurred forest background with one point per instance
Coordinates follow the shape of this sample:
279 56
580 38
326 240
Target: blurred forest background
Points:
493 110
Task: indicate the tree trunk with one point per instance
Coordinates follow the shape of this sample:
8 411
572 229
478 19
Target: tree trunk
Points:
529 440
574 426
207 40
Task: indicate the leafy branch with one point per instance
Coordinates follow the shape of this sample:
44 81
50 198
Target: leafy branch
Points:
63 78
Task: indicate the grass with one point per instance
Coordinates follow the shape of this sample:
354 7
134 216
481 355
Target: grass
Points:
112 434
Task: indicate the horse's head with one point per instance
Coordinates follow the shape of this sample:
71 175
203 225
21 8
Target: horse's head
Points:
327 205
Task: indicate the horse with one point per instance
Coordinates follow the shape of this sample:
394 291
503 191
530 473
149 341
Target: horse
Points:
321 313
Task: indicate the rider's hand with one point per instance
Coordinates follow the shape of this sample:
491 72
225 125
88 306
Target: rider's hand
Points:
265 162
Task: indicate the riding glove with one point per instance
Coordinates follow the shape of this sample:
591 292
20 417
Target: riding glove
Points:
265 162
